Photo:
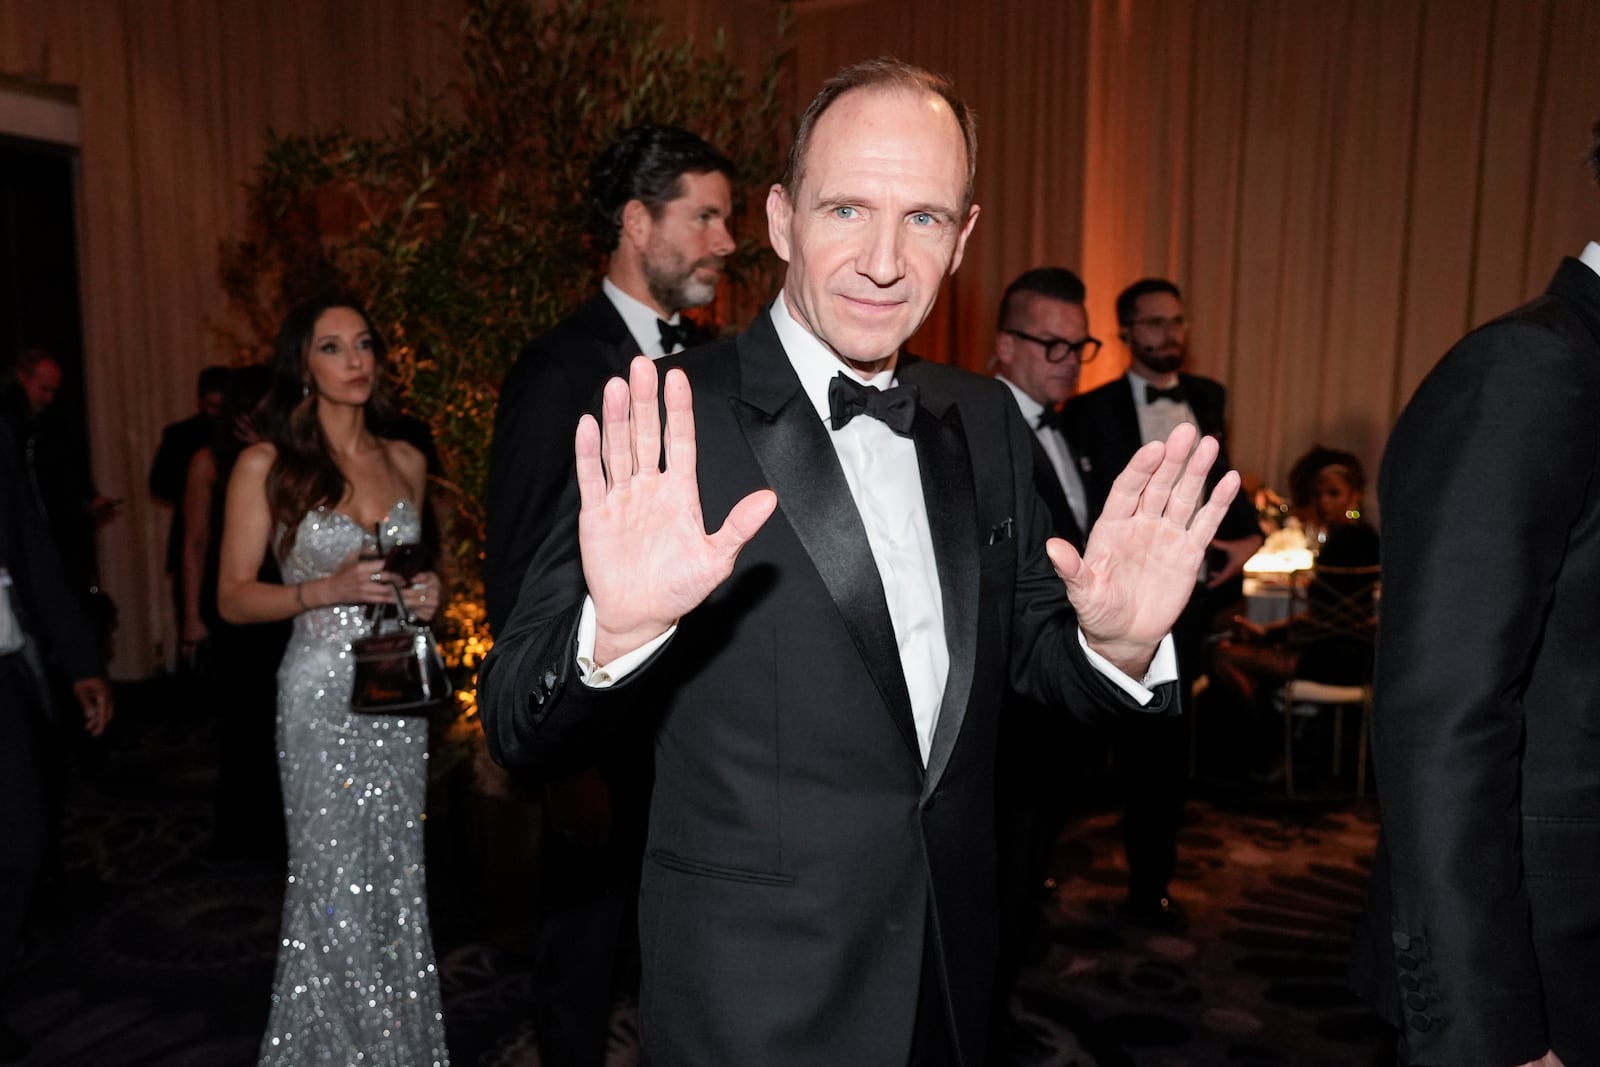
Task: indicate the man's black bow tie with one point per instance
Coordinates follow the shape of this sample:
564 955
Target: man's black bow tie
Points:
673 335
896 407
1175 394
1054 418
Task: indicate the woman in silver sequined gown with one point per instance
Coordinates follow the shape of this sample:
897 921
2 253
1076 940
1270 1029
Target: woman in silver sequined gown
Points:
356 981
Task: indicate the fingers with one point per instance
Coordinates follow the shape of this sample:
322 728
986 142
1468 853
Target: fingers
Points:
1210 517
745 521
616 443
644 406
1067 561
682 450
591 473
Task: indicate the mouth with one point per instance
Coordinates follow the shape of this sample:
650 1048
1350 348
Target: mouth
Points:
872 305
358 383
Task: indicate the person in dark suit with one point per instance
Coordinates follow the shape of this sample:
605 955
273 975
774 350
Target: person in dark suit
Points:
169 471
660 201
40 619
824 673
1481 939
1041 342
1108 425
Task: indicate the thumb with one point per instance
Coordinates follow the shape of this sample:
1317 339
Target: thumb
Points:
745 521
1067 562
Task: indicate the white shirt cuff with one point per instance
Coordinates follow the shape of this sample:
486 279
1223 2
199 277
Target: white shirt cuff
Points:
596 676
1163 668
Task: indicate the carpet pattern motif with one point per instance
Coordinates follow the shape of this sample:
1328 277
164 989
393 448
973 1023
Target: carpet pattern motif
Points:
149 949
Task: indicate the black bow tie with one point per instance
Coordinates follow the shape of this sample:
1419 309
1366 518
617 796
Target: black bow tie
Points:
1052 418
895 408
673 335
1175 394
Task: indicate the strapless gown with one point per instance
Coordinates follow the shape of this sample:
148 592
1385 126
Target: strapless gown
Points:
356 981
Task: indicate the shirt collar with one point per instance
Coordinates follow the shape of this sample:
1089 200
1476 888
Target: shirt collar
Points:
640 318
1140 397
1591 257
813 361
1029 407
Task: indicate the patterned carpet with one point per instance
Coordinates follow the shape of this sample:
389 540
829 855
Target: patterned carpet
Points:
150 949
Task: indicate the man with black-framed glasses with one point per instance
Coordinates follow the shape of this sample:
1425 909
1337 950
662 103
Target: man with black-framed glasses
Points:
1042 342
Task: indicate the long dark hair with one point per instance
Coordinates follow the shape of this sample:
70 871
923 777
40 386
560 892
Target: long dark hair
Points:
304 474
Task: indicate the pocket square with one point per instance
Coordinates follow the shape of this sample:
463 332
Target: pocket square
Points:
1001 532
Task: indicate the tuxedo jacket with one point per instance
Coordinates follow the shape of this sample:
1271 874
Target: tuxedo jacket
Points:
1482 935
801 859
44 602
1103 427
550 386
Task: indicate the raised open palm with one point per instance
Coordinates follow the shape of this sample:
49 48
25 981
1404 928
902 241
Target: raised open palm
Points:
647 557
1138 569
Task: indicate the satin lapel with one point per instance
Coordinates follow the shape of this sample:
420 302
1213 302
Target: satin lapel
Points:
792 448
952 505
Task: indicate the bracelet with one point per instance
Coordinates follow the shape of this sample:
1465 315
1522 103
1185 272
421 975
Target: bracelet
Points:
299 595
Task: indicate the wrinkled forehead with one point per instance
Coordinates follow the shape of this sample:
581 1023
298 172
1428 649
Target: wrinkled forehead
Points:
860 121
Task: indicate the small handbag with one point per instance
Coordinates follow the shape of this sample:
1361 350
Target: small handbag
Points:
398 666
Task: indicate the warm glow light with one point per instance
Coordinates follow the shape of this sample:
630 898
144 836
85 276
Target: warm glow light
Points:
1286 561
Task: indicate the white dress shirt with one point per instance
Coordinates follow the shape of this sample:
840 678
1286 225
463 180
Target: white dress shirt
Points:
1591 257
1055 446
640 319
1158 420
881 469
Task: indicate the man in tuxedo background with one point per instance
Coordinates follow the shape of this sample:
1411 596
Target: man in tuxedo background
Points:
42 621
824 673
660 200
1481 937
1108 425
1041 342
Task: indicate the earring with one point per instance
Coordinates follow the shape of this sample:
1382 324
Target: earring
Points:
305 391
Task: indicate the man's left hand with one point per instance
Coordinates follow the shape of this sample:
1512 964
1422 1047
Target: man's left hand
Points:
1138 570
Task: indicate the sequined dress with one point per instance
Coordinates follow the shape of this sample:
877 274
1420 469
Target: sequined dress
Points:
356 982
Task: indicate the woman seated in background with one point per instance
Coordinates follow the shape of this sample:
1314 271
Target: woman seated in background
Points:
1327 484
327 492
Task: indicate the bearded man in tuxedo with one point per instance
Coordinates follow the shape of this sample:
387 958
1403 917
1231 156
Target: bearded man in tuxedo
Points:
660 202
823 673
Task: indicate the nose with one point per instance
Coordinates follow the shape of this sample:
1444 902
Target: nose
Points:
880 255
722 242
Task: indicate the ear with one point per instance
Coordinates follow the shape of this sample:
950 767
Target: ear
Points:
961 239
780 215
636 223
1003 350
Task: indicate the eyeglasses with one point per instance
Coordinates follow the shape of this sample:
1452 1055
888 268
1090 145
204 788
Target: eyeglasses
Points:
1057 349
1162 323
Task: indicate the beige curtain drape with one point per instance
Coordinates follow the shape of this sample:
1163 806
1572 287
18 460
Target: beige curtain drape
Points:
175 98
1342 188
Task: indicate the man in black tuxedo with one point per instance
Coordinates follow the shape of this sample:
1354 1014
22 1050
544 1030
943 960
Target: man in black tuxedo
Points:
823 673
660 200
1481 938
37 605
1108 425
1041 342
169 472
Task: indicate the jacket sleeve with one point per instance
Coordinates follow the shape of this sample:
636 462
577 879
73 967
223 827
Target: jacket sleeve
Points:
1481 485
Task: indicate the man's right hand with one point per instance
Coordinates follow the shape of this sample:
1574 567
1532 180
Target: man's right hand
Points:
647 558
1549 1059
94 696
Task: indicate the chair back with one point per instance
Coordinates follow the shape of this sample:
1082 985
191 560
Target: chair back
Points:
1334 623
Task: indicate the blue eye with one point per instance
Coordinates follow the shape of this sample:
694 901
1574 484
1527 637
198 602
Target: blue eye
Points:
922 218
844 211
